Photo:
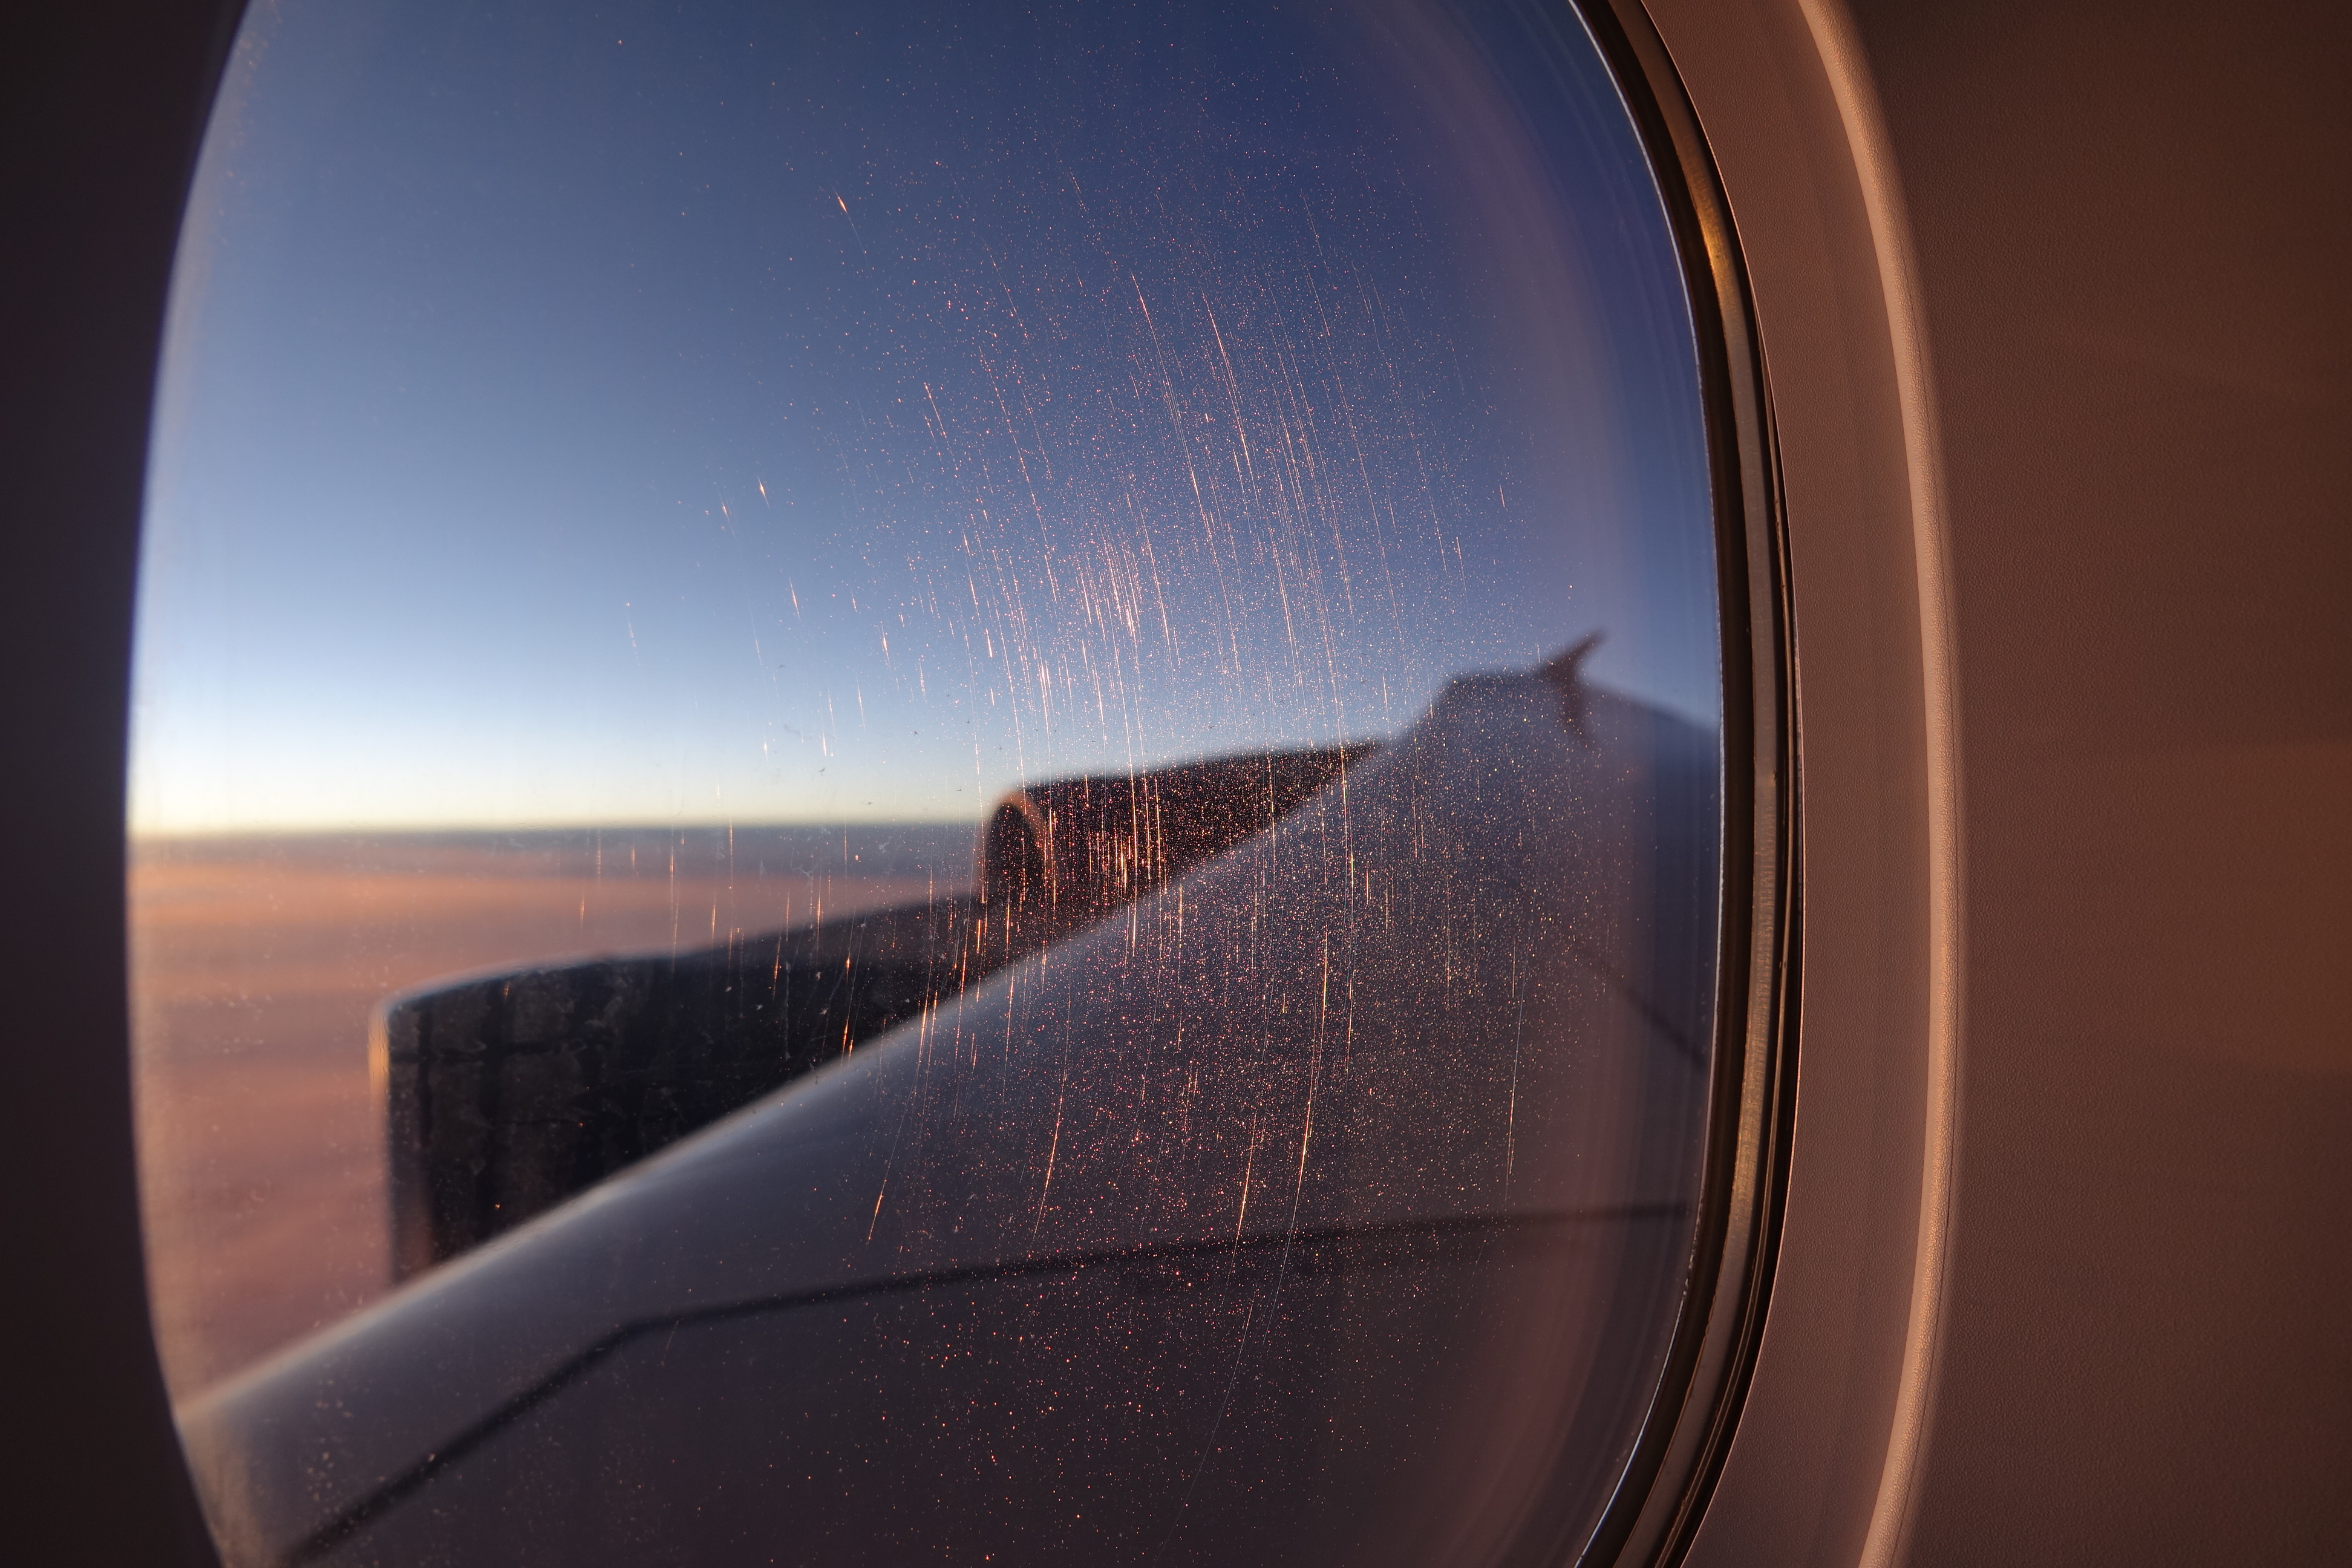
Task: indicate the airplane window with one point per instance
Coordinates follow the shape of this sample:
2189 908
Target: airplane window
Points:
925 781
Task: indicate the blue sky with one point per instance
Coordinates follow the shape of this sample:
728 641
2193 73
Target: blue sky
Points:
846 415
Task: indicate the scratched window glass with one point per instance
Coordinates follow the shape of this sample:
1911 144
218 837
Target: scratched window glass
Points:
918 780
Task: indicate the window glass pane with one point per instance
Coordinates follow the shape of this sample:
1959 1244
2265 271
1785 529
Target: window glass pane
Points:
916 780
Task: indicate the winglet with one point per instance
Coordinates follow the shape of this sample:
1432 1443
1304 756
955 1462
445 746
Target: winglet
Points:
1566 671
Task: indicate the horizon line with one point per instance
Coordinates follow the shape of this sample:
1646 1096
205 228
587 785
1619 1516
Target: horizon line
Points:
133 833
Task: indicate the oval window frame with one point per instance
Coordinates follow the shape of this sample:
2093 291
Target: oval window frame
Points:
1662 1492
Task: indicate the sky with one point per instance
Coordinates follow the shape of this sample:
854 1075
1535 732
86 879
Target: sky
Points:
660 415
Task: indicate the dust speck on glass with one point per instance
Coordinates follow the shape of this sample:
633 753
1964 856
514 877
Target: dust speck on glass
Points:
923 781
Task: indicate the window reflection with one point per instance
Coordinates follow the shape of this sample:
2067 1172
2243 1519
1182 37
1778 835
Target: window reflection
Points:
1136 587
